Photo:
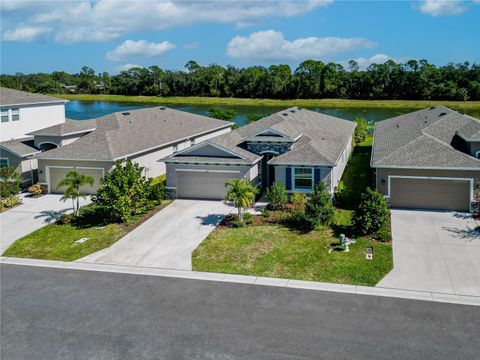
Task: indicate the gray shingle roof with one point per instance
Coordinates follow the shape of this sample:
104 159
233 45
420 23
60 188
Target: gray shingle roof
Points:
424 138
21 147
125 133
68 127
322 142
17 97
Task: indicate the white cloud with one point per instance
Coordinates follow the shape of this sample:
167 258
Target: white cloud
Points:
131 49
124 67
271 45
103 20
375 59
25 34
442 7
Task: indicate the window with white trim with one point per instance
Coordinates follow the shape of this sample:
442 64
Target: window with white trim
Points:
15 114
3 162
303 178
4 116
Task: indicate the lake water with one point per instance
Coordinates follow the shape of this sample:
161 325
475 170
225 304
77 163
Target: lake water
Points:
82 110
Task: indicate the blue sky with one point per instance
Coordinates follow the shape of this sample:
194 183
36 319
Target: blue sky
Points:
42 36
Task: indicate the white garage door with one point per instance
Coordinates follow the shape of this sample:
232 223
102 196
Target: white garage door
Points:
202 185
56 174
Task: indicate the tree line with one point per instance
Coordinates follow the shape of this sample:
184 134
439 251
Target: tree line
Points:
312 79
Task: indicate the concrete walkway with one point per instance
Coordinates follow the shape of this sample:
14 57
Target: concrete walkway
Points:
436 252
31 215
167 239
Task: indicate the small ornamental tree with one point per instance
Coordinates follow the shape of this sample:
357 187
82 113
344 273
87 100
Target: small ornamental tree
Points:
72 184
319 209
10 181
371 214
242 193
361 131
124 191
277 196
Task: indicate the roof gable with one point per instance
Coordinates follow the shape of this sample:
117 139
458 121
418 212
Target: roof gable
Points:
207 149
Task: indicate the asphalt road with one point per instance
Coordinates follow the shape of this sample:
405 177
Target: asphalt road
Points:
70 314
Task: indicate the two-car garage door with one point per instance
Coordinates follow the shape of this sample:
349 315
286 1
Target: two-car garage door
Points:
203 184
56 174
430 193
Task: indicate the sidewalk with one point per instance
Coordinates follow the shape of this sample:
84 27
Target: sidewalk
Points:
253 280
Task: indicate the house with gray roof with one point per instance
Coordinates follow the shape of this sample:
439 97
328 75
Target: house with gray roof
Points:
296 147
144 136
428 159
23 112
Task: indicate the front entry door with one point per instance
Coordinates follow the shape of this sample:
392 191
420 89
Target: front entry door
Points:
268 172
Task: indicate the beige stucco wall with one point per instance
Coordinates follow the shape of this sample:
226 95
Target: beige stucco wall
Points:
338 170
382 175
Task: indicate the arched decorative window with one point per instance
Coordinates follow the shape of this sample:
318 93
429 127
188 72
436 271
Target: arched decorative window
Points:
45 146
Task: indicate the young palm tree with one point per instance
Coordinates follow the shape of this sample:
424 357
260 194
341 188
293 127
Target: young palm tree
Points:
72 183
242 193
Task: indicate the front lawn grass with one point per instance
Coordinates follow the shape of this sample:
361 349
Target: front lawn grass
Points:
57 242
276 251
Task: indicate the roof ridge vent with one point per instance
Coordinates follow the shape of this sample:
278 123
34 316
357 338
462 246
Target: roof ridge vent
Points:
162 108
285 114
292 111
442 114
125 113
432 107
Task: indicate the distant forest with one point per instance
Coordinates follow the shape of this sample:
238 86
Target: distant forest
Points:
414 80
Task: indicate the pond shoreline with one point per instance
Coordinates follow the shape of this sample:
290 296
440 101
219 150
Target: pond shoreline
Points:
213 101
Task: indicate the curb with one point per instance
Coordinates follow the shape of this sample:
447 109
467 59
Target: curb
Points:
251 280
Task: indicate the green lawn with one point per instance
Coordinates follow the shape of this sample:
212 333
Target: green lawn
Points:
358 175
340 103
275 251
57 242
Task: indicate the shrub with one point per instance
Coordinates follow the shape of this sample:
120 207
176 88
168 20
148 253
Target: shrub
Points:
254 117
341 192
277 196
319 209
361 131
9 202
35 190
64 219
238 224
248 218
10 181
156 192
371 214
222 114
124 191
266 213
299 200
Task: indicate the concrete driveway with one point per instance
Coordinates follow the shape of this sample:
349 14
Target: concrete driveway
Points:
167 239
32 215
435 251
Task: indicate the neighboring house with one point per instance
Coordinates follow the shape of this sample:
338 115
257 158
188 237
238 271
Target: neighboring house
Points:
296 147
428 159
23 112
18 153
143 136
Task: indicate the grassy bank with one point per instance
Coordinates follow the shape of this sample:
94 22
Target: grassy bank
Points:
337 103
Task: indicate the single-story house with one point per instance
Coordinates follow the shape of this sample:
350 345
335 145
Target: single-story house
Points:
428 159
296 147
143 136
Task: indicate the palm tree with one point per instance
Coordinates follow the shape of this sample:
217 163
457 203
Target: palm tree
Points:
242 193
72 183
